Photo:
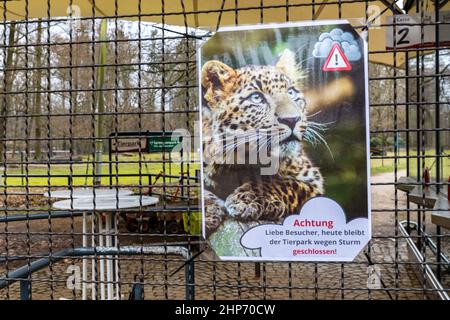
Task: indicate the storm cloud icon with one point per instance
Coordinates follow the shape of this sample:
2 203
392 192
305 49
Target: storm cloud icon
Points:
346 40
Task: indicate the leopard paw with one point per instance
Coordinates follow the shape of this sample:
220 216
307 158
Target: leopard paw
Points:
215 212
243 208
213 222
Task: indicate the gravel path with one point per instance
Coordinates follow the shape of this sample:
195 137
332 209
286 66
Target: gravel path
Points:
233 280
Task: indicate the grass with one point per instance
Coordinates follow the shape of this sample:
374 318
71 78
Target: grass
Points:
152 164
126 164
387 165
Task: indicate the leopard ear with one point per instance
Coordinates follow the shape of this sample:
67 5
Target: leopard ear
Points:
217 81
286 61
288 64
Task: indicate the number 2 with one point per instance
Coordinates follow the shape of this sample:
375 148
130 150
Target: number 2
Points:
403 33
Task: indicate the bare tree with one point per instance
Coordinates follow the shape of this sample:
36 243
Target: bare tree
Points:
37 80
7 82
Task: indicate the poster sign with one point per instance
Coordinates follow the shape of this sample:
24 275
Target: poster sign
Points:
124 144
285 152
407 32
150 141
162 143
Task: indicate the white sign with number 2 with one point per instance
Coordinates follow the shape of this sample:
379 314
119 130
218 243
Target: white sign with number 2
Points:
407 32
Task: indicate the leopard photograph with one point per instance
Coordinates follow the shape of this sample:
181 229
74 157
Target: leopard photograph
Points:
263 94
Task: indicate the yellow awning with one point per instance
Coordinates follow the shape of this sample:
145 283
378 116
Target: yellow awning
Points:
206 13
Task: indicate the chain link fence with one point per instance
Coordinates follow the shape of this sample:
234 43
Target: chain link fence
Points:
91 93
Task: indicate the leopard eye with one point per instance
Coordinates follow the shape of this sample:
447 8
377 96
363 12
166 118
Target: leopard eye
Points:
257 98
293 93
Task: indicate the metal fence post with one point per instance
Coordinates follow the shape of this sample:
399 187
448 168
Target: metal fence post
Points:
137 293
257 270
190 280
25 289
21 166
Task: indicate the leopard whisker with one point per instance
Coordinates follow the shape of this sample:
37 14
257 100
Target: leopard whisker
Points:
314 114
227 135
317 124
232 142
318 127
238 142
300 62
272 140
243 141
321 139
325 124
265 142
301 48
310 138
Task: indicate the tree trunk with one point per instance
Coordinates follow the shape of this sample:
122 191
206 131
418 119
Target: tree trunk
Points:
7 84
17 122
74 96
37 99
100 103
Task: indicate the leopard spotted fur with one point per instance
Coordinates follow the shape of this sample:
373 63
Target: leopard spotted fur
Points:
256 98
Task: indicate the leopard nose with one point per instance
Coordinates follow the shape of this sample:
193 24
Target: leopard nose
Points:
290 122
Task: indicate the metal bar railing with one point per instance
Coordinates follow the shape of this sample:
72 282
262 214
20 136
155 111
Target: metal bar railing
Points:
429 274
23 273
77 213
435 248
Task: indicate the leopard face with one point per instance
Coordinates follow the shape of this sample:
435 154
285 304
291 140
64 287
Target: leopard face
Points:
256 102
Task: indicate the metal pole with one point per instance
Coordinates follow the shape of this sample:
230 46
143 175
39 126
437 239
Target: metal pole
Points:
438 253
93 262
84 275
21 165
407 120
437 96
25 289
190 280
138 292
110 161
257 270
116 265
429 275
101 232
109 267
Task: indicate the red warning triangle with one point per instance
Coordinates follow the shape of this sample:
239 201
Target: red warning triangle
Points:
336 61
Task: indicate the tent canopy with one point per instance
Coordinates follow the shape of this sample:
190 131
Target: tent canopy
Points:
208 13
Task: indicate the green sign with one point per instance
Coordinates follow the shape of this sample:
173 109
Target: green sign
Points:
161 144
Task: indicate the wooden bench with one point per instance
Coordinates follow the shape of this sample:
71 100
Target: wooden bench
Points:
442 217
427 197
423 196
406 184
